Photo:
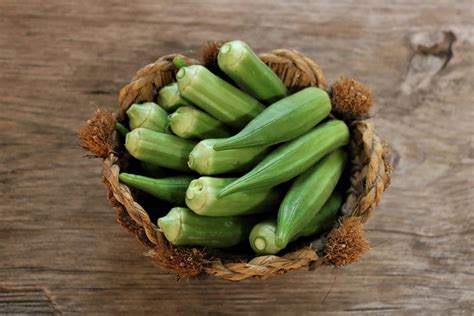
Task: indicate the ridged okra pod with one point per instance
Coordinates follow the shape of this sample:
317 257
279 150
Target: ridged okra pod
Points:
307 195
182 227
206 161
282 121
237 60
217 97
202 197
161 149
170 99
170 189
189 122
147 115
262 237
292 158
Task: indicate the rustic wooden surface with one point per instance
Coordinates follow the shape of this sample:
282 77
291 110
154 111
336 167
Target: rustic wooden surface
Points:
60 248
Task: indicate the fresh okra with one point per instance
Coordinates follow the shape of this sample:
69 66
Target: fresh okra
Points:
307 195
182 227
237 60
202 198
170 99
161 149
262 238
217 97
206 161
189 122
147 115
292 158
282 121
171 189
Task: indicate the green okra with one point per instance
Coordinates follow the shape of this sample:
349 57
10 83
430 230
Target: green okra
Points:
237 60
307 195
170 189
282 121
170 99
206 161
180 61
161 149
202 198
121 129
292 158
182 227
262 238
147 115
189 122
152 170
217 97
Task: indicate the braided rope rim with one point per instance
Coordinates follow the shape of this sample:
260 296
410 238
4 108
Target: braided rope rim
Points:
370 171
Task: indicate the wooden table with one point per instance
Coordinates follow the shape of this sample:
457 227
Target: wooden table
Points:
60 248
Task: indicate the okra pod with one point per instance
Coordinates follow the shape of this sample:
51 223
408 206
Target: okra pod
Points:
262 238
189 122
161 149
202 198
171 189
170 99
217 97
147 115
282 121
292 158
237 60
182 227
206 161
307 195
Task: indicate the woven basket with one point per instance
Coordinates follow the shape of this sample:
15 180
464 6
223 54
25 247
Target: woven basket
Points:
369 175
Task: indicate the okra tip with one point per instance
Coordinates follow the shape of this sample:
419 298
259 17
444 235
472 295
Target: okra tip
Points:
227 143
281 239
228 190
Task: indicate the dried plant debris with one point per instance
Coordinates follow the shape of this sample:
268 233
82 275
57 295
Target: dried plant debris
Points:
184 261
351 99
346 244
97 135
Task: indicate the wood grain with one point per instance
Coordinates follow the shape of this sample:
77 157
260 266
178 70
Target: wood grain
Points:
61 250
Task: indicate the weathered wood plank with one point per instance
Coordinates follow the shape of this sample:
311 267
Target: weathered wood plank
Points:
61 250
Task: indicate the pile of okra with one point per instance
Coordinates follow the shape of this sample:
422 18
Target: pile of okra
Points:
240 159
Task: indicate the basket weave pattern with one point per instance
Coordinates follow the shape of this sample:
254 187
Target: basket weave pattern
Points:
370 176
